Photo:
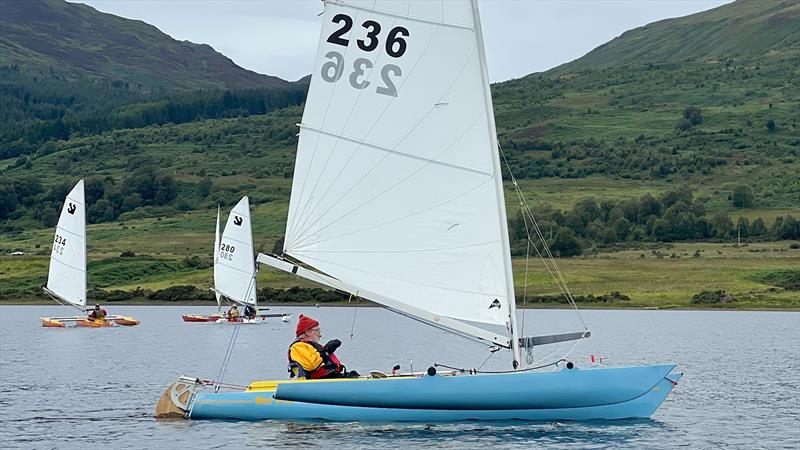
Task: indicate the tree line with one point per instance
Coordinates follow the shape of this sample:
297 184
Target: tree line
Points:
675 216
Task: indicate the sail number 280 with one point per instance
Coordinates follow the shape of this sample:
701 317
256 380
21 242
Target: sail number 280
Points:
395 46
226 251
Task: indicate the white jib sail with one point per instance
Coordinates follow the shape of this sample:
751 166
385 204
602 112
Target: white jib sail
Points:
397 188
234 267
215 255
67 276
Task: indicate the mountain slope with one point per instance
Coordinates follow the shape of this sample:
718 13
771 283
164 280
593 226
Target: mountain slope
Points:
744 27
83 41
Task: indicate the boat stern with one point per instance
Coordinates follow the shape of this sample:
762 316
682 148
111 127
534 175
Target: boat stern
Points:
175 402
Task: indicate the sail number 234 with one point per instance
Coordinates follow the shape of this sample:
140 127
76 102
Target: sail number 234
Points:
59 243
395 45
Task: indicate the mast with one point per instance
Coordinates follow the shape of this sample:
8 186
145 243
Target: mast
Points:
498 178
214 255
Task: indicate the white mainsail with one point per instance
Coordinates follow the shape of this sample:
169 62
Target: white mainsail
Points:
66 279
234 266
397 188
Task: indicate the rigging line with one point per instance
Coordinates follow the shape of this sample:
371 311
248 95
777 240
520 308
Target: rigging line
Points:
476 371
554 271
355 313
391 187
557 276
397 219
563 285
304 226
525 288
563 357
229 352
485 361
316 142
449 288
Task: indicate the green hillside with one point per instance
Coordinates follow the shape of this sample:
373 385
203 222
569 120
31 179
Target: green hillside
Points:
67 69
79 40
619 157
744 28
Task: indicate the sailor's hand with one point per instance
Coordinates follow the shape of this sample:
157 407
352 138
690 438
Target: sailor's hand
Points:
332 345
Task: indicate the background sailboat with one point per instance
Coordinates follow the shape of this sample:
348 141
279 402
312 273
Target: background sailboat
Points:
235 270
66 279
397 197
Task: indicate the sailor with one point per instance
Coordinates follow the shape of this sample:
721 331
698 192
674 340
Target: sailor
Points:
233 313
249 311
309 359
98 313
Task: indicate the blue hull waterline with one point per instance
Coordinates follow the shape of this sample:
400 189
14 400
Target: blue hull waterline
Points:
568 394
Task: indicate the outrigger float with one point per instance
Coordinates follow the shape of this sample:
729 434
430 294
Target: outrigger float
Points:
108 321
220 318
66 280
398 198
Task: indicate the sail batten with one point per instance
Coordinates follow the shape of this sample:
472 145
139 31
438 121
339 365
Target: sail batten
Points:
367 144
395 188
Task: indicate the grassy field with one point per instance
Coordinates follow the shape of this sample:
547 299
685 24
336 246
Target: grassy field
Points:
664 277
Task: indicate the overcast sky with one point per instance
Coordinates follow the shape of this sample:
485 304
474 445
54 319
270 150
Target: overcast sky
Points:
279 37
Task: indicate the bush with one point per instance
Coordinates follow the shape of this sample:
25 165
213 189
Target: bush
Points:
712 298
786 279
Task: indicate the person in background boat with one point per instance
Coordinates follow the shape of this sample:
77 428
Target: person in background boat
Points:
249 311
309 359
233 313
98 313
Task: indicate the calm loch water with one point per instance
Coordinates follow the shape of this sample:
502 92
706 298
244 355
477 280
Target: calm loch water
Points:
79 388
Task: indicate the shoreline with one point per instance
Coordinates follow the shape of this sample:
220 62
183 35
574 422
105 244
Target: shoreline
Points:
344 304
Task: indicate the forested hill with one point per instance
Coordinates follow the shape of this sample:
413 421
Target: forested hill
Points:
68 70
711 98
722 127
751 28
78 40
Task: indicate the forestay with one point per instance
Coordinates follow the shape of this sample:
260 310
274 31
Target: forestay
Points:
234 267
66 279
397 188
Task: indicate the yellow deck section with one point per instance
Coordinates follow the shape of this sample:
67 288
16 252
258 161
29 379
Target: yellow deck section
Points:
258 386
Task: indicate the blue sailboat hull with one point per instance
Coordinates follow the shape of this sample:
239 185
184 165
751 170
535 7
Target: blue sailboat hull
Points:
592 394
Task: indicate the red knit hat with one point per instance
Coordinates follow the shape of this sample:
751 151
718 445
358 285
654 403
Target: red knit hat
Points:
304 324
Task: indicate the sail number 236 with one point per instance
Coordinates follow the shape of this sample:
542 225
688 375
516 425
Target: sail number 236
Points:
395 46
